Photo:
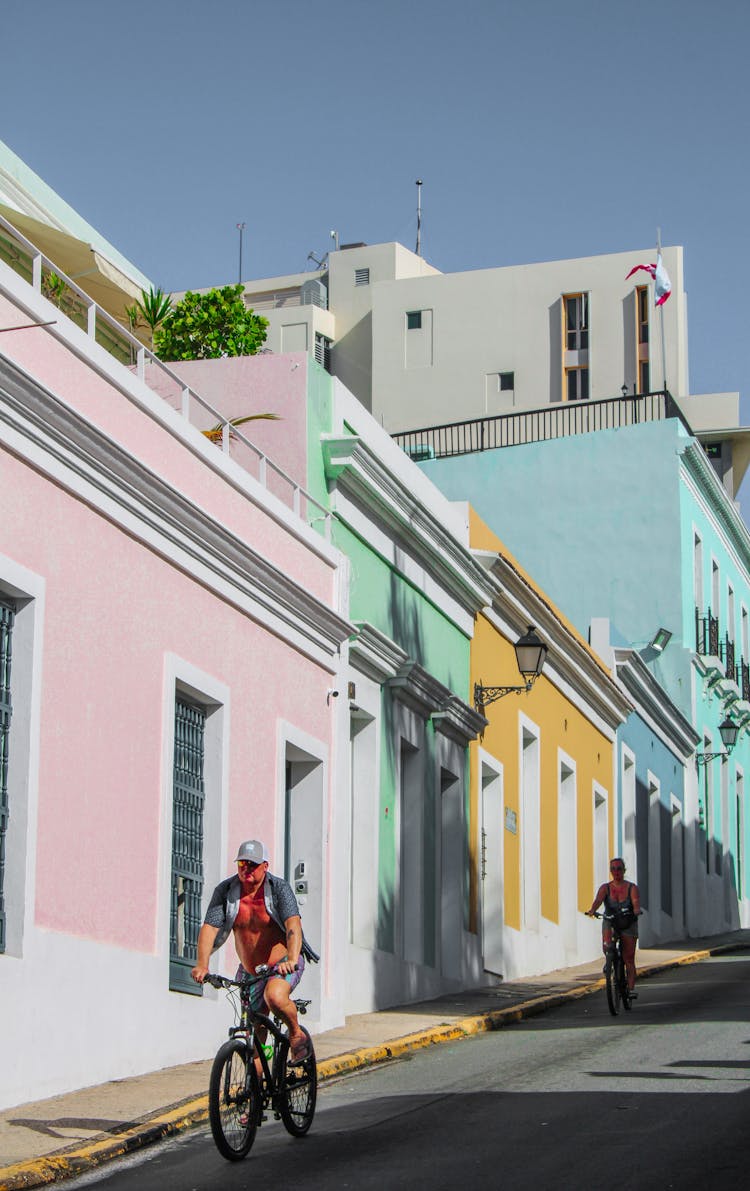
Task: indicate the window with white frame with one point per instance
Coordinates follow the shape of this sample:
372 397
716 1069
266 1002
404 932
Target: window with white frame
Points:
739 830
698 572
7 616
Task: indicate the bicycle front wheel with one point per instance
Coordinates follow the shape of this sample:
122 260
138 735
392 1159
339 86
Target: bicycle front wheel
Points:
298 1091
233 1100
624 990
612 985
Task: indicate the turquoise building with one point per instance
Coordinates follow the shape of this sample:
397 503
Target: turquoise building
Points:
633 525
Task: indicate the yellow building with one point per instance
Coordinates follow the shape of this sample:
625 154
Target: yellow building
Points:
543 788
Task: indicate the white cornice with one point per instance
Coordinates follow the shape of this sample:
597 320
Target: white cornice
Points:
698 468
374 654
652 703
570 664
459 721
423 693
351 464
418 689
379 658
57 441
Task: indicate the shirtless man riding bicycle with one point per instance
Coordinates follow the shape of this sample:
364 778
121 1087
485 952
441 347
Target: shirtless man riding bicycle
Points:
261 911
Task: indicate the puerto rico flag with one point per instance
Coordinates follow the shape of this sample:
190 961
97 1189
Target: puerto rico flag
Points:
662 284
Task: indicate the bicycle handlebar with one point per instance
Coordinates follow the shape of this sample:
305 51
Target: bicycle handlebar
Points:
262 972
609 917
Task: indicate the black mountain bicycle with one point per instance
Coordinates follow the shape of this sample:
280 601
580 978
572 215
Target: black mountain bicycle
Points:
249 1077
615 974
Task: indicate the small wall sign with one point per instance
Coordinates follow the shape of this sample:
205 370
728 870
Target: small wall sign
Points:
511 821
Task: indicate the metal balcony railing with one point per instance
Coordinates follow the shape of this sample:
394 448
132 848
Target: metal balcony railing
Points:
730 668
708 643
43 274
706 634
539 425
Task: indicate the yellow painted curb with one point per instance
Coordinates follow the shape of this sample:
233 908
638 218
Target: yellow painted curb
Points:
39 1172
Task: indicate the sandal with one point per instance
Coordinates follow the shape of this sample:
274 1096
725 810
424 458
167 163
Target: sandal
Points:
300 1052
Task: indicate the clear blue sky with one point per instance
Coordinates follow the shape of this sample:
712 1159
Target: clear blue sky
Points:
542 129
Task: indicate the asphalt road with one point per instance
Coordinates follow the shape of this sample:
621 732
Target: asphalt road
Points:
575 1099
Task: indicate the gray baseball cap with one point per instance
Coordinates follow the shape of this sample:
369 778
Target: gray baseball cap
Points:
252 850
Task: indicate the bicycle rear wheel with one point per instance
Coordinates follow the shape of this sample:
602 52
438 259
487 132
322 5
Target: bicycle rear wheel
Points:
298 1091
612 984
233 1101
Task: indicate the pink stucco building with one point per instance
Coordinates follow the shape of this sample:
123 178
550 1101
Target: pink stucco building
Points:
175 626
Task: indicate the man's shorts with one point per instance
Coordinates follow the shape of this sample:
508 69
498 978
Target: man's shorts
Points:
257 990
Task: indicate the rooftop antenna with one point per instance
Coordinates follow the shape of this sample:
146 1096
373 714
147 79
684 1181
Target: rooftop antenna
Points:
419 216
240 229
335 237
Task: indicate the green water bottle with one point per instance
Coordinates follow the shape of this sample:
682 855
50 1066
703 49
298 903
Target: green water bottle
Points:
267 1048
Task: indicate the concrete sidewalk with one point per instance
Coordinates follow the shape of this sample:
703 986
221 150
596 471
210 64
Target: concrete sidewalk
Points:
67 1135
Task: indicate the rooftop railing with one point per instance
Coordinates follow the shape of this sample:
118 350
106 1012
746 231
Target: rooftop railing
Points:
538 425
74 303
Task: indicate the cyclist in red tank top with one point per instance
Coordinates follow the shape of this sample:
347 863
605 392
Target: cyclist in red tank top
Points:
621 899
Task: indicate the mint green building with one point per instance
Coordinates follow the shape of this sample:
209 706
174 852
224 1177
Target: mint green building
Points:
414 591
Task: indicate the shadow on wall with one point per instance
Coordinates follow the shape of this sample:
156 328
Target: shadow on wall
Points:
679 869
405 626
351 361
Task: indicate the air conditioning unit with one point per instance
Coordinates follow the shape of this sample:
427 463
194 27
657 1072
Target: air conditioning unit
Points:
313 293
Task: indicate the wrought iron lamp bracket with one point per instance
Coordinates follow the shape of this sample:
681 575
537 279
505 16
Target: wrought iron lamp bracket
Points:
704 758
483 695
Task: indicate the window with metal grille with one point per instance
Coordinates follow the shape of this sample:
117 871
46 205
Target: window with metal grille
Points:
6 633
506 381
414 320
187 844
361 276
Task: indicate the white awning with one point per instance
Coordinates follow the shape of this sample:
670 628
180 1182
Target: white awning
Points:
98 277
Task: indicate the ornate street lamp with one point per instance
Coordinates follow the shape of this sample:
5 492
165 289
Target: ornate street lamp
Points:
728 732
530 654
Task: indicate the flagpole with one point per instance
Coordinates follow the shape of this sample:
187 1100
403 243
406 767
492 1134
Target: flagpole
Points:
661 313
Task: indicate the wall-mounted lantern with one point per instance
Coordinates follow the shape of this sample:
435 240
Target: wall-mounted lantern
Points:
728 731
530 654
